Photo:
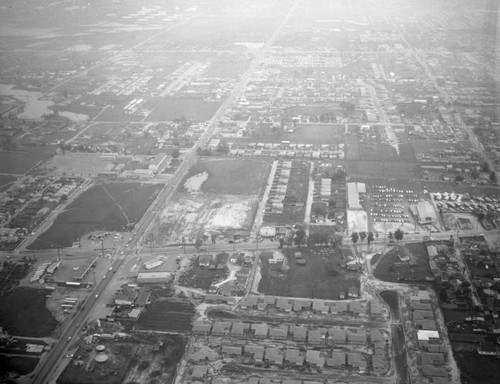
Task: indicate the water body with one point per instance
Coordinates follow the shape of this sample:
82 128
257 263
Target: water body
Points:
398 336
34 108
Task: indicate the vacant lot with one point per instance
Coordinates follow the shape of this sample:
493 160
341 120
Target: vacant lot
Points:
320 278
23 313
391 268
172 315
171 108
203 277
23 160
107 207
232 177
76 164
316 134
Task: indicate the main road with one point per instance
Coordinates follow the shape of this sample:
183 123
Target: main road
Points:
46 368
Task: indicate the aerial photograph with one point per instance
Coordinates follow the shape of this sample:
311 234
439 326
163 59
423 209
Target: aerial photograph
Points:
249 192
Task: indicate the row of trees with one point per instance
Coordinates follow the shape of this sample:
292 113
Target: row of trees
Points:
355 237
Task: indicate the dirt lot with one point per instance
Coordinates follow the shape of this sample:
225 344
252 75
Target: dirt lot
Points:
391 268
217 198
172 315
108 207
84 369
23 313
320 278
157 366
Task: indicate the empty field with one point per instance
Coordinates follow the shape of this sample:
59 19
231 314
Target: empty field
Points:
320 278
22 161
316 134
391 268
170 108
107 207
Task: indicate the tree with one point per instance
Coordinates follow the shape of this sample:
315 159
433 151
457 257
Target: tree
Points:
390 236
198 243
370 238
493 177
459 178
354 237
300 236
474 174
398 234
362 236
485 167
175 153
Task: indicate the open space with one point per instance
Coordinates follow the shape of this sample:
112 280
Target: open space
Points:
171 108
167 315
21 161
107 207
23 313
321 277
404 263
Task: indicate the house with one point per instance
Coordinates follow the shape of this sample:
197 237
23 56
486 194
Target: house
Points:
204 260
256 351
279 333
379 363
356 308
202 328
426 338
353 292
231 350
320 306
356 361
315 337
260 330
356 338
200 371
239 329
301 305
421 296
337 361
274 356
376 335
204 354
267 301
422 315
417 305
294 357
338 308
434 359
376 309
315 358
220 299
249 302
431 371
220 328
337 336
299 333
283 304
427 325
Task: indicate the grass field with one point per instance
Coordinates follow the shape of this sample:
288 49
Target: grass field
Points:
107 207
320 278
233 177
23 313
23 160
168 315
416 269
316 134
170 108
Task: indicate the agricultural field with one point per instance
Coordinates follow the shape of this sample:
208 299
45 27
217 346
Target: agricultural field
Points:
170 108
167 315
23 313
404 263
218 198
475 369
320 278
106 207
21 161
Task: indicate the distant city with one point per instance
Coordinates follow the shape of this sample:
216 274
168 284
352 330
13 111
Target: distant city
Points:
254 192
